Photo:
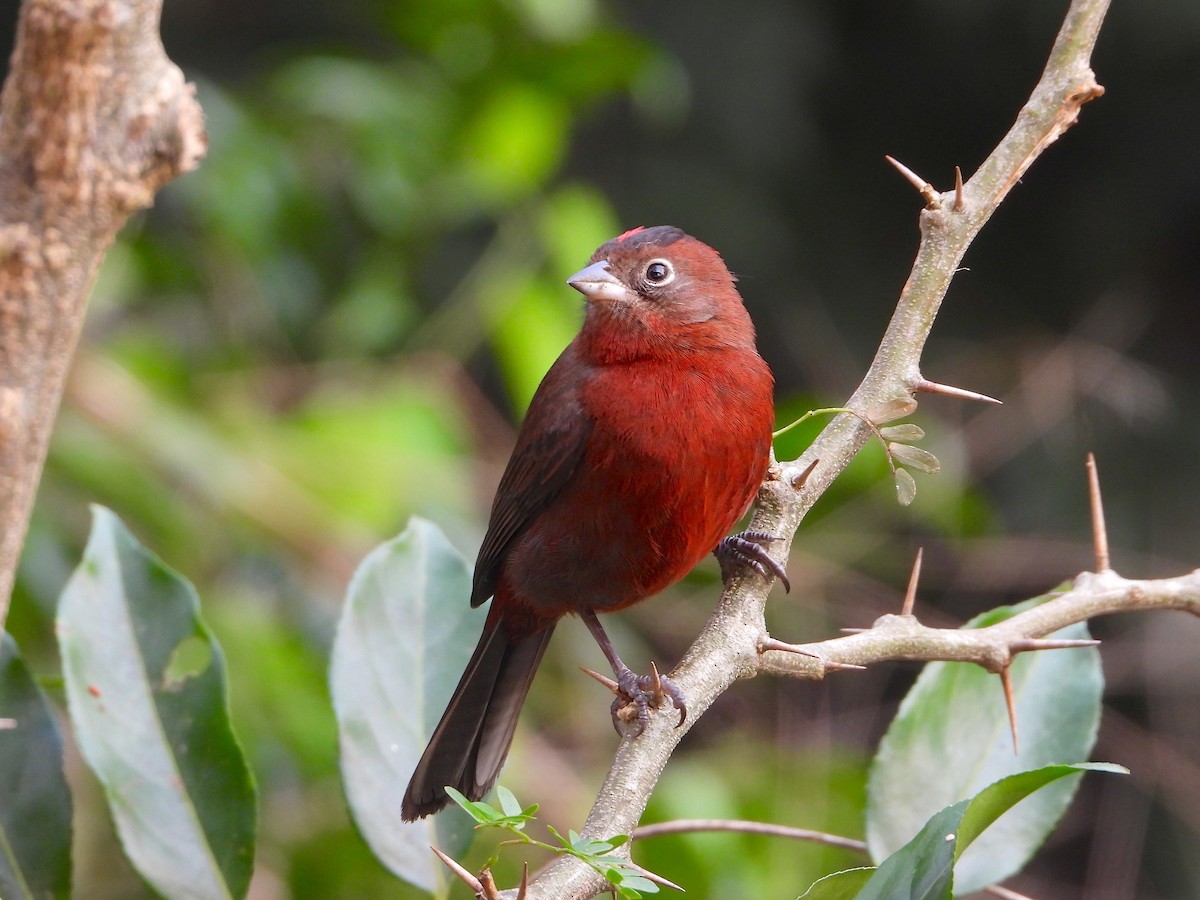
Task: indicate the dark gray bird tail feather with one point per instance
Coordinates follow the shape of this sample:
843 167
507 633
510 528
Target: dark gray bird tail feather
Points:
471 741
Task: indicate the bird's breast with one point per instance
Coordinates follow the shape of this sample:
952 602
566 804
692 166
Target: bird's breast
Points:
674 457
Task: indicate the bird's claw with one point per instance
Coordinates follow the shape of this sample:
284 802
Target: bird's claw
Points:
637 694
749 549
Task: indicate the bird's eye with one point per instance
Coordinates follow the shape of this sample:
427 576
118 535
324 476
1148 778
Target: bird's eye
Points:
659 272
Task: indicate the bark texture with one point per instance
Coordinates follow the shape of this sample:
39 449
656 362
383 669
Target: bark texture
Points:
94 119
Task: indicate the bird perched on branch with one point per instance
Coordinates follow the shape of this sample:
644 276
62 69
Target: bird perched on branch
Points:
644 444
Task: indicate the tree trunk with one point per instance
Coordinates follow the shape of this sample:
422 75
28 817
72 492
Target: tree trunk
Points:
94 119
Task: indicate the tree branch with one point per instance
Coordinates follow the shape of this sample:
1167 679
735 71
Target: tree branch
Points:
729 646
903 637
94 119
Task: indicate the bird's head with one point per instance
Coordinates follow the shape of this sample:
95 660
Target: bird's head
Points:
654 285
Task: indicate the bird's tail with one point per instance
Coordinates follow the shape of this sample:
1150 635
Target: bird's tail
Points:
471 741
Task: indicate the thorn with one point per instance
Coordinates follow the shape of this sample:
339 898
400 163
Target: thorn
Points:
853 630
1021 645
958 204
933 387
770 643
1006 683
1099 532
840 666
603 679
656 681
910 596
924 188
801 479
471 881
524 883
653 876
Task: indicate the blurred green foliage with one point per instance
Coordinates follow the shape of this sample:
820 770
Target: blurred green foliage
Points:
824 791
333 324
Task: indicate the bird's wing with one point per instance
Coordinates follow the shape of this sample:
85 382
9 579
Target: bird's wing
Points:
550 447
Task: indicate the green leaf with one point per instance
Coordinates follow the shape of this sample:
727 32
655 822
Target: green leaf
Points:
996 799
150 710
921 460
592 849
907 433
925 867
906 487
950 739
508 801
405 636
485 814
843 885
35 814
638 883
891 410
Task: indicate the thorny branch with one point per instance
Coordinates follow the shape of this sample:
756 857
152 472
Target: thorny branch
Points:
734 643
903 637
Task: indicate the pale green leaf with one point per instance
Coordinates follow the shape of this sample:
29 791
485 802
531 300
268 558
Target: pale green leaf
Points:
906 487
906 433
405 636
146 690
891 410
921 460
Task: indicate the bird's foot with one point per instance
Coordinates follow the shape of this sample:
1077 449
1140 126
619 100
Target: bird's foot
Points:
749 549
637 694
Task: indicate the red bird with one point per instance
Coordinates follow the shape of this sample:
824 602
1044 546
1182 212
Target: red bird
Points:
645 442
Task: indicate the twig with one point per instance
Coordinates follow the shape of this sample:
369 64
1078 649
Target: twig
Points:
683 826
490 891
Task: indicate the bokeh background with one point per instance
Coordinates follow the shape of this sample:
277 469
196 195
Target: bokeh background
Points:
335 323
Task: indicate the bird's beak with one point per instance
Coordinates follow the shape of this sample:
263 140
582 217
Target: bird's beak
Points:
596 283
